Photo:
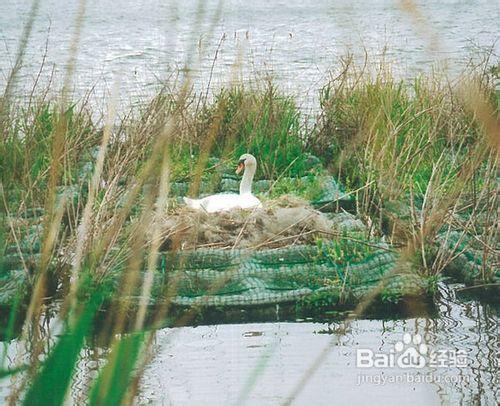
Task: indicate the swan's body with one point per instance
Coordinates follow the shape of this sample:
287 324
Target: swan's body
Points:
224 202
231 201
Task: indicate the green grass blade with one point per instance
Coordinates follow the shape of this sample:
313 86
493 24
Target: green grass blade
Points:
115 378
51 384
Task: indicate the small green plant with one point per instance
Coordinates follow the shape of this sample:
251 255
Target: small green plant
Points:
307 187
433 284
390 296
345 248
318 302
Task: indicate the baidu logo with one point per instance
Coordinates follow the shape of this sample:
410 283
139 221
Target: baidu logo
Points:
411 352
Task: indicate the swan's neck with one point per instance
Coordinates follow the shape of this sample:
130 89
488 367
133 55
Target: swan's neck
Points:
246 181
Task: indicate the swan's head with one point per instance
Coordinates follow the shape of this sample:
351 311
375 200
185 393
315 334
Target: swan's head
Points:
246 161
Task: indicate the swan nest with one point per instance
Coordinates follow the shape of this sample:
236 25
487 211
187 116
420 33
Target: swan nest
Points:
282 222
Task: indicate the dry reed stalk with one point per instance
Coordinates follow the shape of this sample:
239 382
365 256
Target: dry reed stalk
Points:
82 233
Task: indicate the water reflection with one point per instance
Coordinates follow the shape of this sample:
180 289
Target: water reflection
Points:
264 362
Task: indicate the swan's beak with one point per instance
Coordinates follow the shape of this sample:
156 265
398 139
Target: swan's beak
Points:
240 167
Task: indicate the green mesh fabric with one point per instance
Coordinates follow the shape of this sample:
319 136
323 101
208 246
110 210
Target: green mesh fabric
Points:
468 263
247 278
332 197
13 287
21 257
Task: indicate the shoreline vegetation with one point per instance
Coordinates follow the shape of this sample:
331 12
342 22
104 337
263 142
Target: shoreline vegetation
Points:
81 197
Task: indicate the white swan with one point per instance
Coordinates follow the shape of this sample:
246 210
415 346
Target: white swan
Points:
231 201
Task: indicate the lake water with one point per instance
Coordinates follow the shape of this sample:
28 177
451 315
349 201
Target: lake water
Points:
263 363
138 42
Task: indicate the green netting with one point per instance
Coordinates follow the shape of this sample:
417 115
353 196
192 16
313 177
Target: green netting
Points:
468 262
248 278
13 285
332 196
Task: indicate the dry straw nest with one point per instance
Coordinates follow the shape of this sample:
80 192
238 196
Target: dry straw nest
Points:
282 222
